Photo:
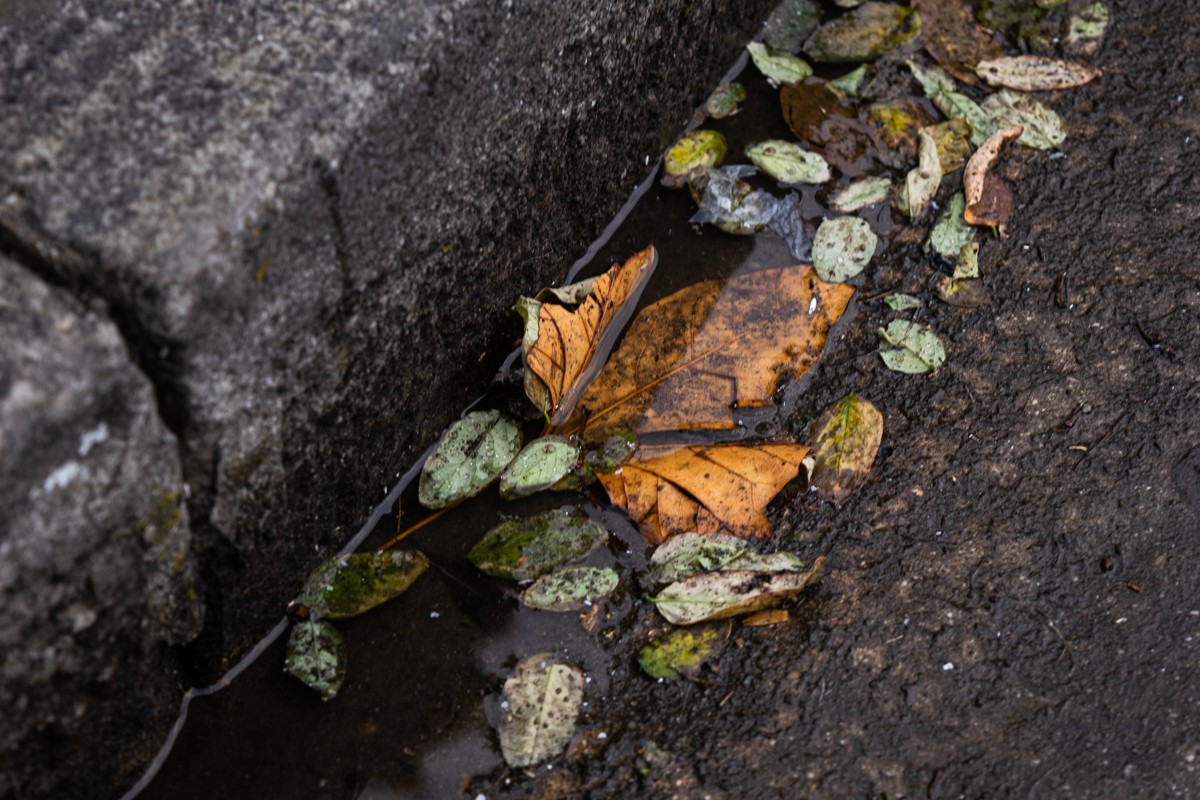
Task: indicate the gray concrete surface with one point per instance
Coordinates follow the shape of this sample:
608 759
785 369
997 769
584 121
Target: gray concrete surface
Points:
283 238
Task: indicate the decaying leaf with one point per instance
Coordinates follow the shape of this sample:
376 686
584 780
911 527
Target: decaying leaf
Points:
691 553
761 619
725 100
472 453
985 200
950 232
820 116
953 140
922 181
1087 29
896 123
842 248
783 68
694 154
542 698
902 302
851 83
527 548
788 162
569 589
845 438
911 347
860 193
939 87
539 466
953 38
1035 73
790 24
566 344
719 595
1044 129
316 656
679 653
731 204
963 288
692 359
345 586
863 34
703 488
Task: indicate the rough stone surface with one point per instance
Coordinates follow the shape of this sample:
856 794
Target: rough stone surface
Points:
96 571
306 222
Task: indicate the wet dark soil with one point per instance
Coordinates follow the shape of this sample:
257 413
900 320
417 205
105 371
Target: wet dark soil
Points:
1011 606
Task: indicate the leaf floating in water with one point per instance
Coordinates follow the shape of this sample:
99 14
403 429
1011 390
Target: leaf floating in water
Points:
694 154
703 488
842 248
864 34
782 68
790 24
725 100
719 595
820 116
471 454
911 347
986 203
539 466
940 89
569 589
845 438
953 38
902 302
345 586
679 653
564 345
316 656
921 183
950 232
1044 129
692 359
692 553
1087 29
1035 73
788 162
861 192
524 549
543 698
953 139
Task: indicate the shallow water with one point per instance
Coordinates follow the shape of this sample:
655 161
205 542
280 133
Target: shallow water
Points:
414 718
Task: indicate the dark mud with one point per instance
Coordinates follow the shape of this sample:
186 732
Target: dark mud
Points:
1011 606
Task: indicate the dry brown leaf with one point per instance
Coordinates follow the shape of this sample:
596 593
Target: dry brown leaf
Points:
954 39
703 488
690 360
985 193
573 340
1035 73
772 616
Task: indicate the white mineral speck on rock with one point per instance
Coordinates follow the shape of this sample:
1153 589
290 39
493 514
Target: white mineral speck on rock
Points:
949 665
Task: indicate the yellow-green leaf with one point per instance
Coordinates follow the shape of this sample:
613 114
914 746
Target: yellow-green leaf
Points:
845 438
693 155
348 585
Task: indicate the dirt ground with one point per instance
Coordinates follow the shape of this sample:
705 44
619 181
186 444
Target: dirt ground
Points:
1012 607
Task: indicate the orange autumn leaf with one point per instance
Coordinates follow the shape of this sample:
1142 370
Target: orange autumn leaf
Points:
692 359
988 200
570 331
703 488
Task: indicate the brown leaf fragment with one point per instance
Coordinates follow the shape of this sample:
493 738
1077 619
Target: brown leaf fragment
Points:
572 340
772 616
721 488
988 201
953 38
845 438
692 359
1035 73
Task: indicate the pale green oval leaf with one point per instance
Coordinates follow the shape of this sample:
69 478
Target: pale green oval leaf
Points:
851 83
779 67
316 655
864 34
694 154
790 24
347 585
921 183
951 231
1044 129
1087 29
542 699
788 162
902 302
524 549
692 553
845 439
539 466
472 454
718 595
570 589
911 347
861 192
842 248
725 100
679 653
